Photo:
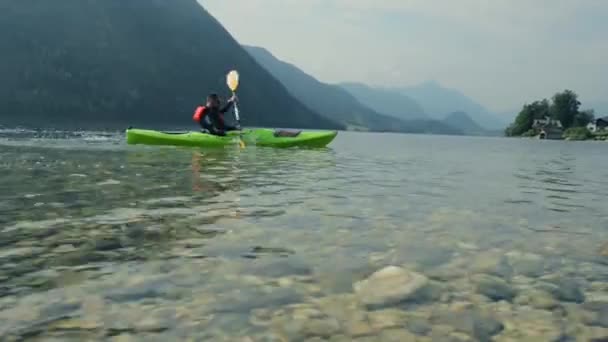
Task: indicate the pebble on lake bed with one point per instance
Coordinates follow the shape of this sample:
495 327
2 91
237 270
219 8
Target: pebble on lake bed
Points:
494 288
527 264
493 263
538 299
469 321
566 290
389 286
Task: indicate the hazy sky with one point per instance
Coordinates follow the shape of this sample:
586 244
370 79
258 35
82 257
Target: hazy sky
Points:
500 52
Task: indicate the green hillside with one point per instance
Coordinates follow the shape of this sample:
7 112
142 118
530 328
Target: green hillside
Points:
118 62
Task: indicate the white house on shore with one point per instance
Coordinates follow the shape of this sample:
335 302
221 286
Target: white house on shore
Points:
548 128
547 122
598 125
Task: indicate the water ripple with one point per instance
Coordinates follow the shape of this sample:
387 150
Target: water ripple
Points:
121 237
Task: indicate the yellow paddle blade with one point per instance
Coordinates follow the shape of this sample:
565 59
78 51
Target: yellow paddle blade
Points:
232 79
242 143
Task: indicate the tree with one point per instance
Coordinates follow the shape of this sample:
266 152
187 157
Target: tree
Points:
525 118
565 108
584 117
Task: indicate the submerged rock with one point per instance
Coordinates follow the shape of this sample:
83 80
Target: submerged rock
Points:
321 327
306 322
64 248
493 263
418 326
564 338
527 264
389 286
360 328
531 325
152 325
596 334
107 244
600 309
387 319
538 299
494 288
74 324
470 321
566 290
396 335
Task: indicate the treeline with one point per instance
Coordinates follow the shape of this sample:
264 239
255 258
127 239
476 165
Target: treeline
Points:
563 106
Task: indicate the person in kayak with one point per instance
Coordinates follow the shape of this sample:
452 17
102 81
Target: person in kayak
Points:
211 115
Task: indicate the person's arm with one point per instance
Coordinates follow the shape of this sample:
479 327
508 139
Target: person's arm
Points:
227 106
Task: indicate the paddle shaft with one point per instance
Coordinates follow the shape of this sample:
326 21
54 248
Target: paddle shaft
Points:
236 112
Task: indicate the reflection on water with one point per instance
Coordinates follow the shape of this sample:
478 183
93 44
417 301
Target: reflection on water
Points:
555 179
492 239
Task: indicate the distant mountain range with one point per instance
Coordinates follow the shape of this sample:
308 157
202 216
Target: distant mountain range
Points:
395 103
463 122
439 101
340 105
388 102
119 63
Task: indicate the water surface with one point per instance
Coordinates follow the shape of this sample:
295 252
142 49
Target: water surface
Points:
103 241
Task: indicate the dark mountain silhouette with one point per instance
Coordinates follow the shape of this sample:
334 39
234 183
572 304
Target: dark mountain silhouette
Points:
386 101
117 62
336 103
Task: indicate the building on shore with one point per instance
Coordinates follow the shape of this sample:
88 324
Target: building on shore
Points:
598 125
548 128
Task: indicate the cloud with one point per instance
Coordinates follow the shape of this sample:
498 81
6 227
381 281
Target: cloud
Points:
502 52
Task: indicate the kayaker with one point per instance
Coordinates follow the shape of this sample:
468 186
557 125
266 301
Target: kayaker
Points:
211 115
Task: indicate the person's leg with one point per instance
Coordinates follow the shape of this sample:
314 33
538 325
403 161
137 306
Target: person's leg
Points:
230 128
205 124
215 131
208 127
219 132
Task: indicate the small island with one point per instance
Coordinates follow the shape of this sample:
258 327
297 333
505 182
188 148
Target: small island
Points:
558 118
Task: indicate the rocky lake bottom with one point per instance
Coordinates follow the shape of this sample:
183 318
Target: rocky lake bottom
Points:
382 237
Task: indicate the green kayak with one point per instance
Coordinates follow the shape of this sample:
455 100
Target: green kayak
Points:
257 137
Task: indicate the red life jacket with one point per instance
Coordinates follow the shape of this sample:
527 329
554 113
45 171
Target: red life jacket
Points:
199 113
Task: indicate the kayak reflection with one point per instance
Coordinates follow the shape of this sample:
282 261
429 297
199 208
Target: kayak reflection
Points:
232 175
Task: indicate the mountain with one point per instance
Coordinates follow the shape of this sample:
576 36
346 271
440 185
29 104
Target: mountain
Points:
386 101
439 101
116 62
329 100
463 121
336 103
